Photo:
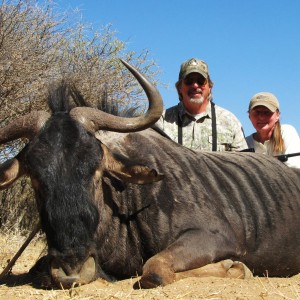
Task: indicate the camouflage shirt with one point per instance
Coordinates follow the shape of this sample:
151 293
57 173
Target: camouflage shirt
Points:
197 134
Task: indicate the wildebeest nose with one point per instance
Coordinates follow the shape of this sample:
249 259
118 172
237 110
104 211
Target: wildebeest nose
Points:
85 275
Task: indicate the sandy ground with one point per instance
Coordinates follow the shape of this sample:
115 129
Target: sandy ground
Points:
17 284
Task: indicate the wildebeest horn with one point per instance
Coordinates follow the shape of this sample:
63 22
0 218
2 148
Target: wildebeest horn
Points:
26 126
93 119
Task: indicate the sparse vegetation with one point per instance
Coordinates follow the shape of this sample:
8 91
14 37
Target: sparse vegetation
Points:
39 46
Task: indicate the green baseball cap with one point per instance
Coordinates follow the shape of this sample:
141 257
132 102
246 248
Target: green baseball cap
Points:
264 99
193 65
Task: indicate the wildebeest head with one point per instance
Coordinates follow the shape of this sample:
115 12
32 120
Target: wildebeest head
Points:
66 163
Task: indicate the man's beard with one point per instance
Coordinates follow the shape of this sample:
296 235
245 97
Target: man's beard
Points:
197 100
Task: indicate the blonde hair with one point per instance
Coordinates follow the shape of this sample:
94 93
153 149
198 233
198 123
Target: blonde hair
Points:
277 140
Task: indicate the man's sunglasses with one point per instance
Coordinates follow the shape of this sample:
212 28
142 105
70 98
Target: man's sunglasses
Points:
199 80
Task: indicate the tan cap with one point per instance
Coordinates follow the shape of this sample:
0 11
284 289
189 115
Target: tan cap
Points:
264 99
193 65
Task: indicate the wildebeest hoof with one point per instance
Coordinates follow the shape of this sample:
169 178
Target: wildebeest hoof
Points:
238 270
150 281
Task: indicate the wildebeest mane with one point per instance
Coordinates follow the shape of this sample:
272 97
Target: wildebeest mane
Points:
58 98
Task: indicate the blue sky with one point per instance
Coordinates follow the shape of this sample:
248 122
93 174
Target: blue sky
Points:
250 46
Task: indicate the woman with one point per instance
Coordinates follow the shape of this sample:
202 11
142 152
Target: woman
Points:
271 137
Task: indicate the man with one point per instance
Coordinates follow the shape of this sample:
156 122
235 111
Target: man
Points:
196 122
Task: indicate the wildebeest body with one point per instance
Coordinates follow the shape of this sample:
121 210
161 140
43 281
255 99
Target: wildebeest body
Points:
241 206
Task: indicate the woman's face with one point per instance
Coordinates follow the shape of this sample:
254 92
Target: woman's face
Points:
263 119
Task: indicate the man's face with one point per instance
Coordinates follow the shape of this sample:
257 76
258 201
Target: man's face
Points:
194 89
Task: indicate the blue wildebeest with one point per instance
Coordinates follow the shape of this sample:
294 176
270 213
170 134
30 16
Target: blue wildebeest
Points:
134 202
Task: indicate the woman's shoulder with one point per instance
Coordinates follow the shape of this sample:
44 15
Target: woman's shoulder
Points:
287 129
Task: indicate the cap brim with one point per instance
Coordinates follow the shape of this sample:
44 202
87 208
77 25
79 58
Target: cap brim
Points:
205 75
271 107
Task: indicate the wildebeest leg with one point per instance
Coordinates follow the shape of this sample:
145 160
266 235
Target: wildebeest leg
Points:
157 271
186 258
225 268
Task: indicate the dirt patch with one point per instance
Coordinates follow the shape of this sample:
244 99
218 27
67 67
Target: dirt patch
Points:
17 285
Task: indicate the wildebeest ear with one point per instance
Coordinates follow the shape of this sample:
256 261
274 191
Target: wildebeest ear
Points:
134 174
10 171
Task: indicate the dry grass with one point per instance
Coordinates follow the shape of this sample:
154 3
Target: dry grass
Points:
17 286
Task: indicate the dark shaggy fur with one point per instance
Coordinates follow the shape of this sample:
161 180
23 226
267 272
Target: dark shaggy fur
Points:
209 206
63 158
